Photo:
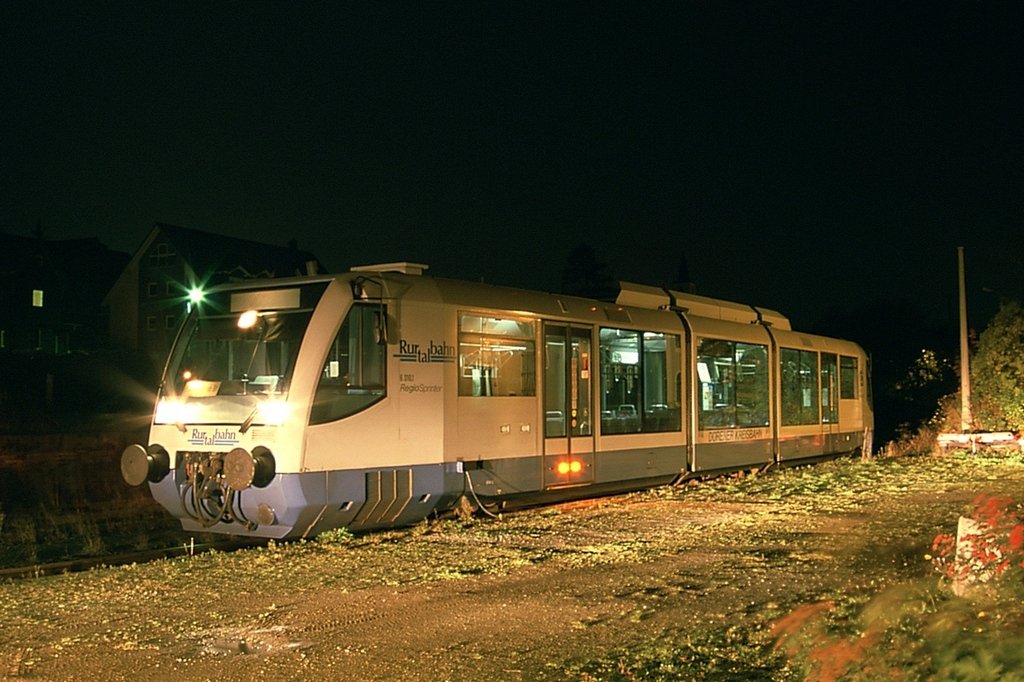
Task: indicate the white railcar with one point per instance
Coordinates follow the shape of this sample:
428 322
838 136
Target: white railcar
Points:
378 397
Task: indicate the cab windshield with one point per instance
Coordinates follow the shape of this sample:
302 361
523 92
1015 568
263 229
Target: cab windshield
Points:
232 355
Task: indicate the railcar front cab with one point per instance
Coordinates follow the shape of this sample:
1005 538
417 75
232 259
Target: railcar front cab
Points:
246 374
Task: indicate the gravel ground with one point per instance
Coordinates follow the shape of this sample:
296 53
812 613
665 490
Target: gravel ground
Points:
687 580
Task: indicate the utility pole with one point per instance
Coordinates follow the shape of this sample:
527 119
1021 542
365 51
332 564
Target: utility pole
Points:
965 372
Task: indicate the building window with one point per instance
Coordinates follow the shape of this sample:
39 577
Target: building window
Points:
151 323
152 289
496 356
171 321
161 255
37 298
733 380
799 370
171 289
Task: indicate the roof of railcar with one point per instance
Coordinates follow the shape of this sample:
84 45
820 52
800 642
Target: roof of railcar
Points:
631 297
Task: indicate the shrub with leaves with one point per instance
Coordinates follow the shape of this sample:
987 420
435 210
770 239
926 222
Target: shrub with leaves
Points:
997 372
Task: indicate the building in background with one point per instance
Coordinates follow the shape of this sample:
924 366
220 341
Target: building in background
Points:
146 303
51 293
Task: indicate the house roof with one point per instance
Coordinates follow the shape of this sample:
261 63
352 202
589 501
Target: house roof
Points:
217 256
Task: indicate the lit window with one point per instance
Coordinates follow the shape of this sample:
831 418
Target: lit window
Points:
640 390
733 384
496 357
37 298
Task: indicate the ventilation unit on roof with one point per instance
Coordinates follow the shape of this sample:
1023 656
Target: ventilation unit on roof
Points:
403 267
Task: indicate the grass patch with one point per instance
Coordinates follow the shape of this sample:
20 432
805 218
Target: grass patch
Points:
861 601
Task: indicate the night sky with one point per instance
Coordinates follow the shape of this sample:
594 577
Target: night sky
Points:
803 155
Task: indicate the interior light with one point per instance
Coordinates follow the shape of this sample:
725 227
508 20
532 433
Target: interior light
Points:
197 388
247 319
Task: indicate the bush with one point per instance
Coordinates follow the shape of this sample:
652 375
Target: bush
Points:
997 372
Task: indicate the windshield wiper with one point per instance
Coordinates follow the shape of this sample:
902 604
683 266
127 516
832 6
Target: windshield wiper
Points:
247 423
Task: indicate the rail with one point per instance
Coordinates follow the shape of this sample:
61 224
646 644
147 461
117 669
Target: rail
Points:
86 563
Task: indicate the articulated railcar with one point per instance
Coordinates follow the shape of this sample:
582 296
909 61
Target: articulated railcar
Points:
378 397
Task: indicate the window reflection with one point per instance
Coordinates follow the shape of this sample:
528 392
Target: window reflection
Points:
640 382
847 377
353 376
496 356
799 370
733 384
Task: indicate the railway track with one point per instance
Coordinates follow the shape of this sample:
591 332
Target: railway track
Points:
86 563
38 570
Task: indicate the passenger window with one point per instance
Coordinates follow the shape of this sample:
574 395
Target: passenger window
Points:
799 375
733 381
353 376
640 389
847 377
496 357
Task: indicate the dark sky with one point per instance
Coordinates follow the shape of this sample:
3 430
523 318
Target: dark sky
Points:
801 154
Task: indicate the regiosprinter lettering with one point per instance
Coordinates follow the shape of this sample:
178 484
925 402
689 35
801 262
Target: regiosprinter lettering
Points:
420 388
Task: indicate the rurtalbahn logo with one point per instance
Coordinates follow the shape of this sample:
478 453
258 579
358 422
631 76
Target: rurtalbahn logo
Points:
432 352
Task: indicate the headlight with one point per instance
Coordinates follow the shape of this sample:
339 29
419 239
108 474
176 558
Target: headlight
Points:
273 412
170 411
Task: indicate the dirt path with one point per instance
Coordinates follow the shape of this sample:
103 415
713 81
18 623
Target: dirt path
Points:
533 596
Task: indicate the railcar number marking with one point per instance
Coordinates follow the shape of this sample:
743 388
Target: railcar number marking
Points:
408 385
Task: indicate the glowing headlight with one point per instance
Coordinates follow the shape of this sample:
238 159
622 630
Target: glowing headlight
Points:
175 412
248 319
273 412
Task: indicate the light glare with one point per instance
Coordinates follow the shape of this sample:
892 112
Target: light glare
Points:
247 319
175 412
273 412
